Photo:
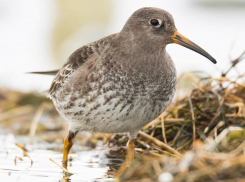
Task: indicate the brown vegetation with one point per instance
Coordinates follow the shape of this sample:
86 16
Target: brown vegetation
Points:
199 138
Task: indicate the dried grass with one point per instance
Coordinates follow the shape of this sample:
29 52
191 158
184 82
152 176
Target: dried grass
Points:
200 137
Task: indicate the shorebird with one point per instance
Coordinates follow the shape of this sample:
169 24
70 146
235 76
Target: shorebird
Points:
121 82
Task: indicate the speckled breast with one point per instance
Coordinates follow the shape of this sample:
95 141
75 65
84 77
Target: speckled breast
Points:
112 102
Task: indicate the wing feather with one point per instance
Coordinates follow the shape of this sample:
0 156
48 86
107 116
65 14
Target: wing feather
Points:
77 59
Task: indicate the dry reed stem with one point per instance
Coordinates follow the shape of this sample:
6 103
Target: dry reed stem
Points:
158 120
24 151
61 167
159 143
36 119
238 150
193 121
163 130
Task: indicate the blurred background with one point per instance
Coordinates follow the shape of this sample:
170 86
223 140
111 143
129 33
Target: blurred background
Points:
40 35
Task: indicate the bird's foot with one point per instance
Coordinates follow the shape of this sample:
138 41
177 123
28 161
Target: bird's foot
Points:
64 164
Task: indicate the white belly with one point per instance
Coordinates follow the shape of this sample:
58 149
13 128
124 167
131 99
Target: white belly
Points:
116 116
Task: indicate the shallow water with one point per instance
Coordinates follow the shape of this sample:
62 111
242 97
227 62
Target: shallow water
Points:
89 165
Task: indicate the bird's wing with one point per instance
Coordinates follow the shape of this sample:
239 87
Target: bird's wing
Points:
76 60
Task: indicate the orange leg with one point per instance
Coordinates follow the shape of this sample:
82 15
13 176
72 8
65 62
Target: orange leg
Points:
128 159
67 146
130 151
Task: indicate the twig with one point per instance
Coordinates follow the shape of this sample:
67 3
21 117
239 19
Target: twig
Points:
163 130
24 151
238 150
157 120
160 144
193 120
36 119
212 143
206 130
61 167
236 61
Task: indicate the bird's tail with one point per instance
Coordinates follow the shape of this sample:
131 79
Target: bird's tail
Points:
53 72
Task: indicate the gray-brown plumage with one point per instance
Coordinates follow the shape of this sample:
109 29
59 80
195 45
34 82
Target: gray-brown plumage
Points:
123 81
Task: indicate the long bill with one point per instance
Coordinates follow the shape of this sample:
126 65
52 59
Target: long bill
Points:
182 40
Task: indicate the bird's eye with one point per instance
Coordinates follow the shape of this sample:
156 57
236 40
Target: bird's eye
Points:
154 22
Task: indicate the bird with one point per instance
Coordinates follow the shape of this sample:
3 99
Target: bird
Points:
121 82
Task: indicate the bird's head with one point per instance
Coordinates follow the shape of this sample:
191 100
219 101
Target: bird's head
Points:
156 26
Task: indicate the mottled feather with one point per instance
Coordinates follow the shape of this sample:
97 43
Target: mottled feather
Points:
77 59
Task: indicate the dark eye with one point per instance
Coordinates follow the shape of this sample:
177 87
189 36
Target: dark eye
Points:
154 22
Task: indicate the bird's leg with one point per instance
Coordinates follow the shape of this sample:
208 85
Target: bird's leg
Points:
130 151
128 159
67 146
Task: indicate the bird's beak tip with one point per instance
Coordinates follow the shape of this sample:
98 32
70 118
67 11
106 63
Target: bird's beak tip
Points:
214 61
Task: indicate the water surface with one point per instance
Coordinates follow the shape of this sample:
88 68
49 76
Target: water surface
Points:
86 165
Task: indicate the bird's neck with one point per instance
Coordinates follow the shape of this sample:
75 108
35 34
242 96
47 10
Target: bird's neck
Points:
144 57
